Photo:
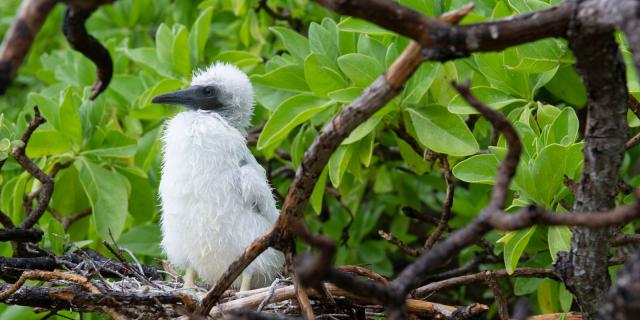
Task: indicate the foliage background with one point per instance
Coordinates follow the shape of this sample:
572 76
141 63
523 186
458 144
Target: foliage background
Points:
301 81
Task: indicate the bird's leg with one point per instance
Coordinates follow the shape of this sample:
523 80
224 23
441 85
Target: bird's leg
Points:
189 279
245 285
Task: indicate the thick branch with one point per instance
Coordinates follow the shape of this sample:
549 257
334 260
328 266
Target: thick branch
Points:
80 40
18 39
20 235
459 40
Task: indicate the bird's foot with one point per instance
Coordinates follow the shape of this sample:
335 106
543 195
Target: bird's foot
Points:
245 284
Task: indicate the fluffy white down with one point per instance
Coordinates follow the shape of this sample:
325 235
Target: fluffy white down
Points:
215 196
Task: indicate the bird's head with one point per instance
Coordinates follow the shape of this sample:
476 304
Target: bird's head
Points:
220 88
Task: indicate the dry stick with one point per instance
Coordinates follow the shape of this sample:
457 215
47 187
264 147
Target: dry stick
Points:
399 243
56 275
286 293
303 300
501 301
446 206
47 182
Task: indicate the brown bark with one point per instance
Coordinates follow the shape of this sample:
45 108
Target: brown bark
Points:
600 64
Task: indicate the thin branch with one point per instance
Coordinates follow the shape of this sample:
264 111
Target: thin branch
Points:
446 206
501 301
20 235
480 277
398 243
47 182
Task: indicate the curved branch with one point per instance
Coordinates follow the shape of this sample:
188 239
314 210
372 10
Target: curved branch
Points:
76 33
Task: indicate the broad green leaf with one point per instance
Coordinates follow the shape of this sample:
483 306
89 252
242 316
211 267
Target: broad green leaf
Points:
414 160
540 56
566 85
46 142
199 34
321 80
420 82
514 246
108 196
524 286
69 118
296 44
382 183
115 152
546 114
324 42
480 168
442 131
565 297
492 97
180 52
241 59
564 129
559 239
318 191
548 172
365 149
362 130
345 95
164 44
361 26
288 115
361 69
338 164
143 239
547 296
289 78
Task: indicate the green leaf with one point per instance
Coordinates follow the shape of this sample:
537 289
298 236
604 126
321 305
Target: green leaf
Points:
290 78
420 82
492 97
288 115
69 118
361 69
345 95
108 196
164 45
565 297
566 85
524 286
338 164
143 239
318 191
180 50
559 239
46 142
546 114
480 168
362 130
296 44
115 152
514 244
564 129
413 159
382 183
548 172
442 131
199 35
321 80
361 26
540 56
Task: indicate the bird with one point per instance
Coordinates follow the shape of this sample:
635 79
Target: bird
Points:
215 197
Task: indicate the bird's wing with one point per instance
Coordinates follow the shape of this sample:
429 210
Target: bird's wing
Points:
255 188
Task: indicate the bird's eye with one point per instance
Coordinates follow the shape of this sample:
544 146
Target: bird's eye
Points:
207 90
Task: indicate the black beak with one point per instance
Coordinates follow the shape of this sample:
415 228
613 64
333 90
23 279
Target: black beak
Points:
187 97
